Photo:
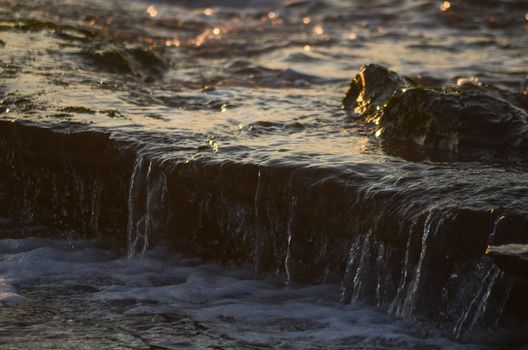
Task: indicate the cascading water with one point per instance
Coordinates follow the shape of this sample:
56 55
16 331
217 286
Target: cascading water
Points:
95 211
408 305
476 310
287 259
147 202
200 130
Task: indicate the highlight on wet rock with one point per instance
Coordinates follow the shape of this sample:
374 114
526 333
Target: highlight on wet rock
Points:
459 122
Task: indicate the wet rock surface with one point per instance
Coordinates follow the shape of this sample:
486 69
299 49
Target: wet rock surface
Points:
141 124
305 224
457 123
512 258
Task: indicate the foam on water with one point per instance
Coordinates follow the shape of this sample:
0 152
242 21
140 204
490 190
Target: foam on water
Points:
91 294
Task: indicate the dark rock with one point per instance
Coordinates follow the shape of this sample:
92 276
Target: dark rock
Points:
371 88
135 61
512 258
395 247
467 125
69 179
459 123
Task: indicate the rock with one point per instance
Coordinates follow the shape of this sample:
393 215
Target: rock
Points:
464 124
5 221
467 125
371 88
511 258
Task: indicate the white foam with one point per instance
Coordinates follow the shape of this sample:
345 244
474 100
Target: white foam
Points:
227 301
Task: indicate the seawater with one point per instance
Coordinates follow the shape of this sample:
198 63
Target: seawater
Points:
87 295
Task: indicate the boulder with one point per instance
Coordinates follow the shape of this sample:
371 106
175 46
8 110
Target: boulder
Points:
460 123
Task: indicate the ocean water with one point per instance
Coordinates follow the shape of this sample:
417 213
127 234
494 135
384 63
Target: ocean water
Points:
255 86
85 295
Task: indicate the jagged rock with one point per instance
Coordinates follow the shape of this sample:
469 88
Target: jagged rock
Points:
465 124
512 258
371 88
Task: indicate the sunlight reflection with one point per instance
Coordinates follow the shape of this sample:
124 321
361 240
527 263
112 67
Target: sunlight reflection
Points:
173 42
445 5
152 11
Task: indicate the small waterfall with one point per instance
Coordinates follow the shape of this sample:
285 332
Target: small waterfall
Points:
382 275
78 191
287 260
257 250
97 193
409 304
410 289
477 309
362 271
136 181
358 273
407 270
146 201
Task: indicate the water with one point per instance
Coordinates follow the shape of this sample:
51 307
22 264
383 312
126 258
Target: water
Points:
83 294
217 130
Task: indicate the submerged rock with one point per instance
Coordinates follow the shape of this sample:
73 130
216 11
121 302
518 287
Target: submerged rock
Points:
512 258
460 123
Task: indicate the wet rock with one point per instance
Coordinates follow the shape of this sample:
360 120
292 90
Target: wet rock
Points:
371 88
467 125
460 123
512 258
516 98
5 221
385 245
136 61
65 179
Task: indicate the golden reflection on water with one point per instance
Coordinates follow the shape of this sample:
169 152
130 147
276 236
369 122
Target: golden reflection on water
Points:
318 58
445 5
318 29
152 11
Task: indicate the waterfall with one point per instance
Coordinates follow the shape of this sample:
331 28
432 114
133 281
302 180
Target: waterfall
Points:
358 273
287 260
146 203
410 300
479 305
97 193
258 235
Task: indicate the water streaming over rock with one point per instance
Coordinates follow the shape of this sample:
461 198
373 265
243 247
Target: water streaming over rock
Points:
216 130
147 203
